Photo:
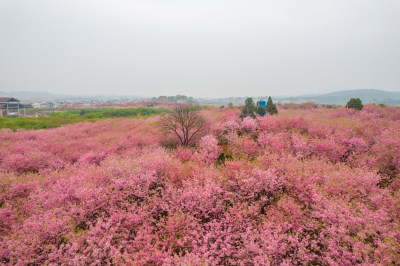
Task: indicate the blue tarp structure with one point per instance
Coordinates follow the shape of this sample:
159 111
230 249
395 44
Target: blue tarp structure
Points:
263 104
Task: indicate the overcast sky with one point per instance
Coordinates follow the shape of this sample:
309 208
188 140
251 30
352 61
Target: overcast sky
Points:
203 48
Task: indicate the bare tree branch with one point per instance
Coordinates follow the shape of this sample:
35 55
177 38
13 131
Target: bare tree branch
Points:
184 121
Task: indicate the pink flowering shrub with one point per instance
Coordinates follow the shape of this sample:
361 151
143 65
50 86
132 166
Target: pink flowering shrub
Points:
248 125
232 125
386 152
300 146
183 153
208 150
274 143
309 186
244 147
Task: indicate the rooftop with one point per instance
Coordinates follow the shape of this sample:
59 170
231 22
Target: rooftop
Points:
8 99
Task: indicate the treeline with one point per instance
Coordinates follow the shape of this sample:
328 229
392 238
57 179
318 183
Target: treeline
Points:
174 99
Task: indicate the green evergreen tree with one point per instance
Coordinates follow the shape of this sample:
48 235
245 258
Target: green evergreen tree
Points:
249 109
355 103
271 107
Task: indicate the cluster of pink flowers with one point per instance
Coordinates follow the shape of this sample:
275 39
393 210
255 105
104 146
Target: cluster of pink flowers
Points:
234 125
248 125
312 186
208 150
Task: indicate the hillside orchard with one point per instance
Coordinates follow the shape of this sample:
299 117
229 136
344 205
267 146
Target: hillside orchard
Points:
315 186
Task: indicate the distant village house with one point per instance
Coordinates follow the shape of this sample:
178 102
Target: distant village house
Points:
12 107
45 105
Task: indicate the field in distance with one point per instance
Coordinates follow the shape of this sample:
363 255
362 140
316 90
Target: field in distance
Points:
56 119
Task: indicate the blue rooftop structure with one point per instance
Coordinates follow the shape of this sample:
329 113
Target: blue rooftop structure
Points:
263 104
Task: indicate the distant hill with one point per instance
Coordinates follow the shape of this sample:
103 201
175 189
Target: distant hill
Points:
341 97
32 96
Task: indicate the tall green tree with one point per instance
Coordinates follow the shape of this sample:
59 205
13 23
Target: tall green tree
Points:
249 109
355 103
271 107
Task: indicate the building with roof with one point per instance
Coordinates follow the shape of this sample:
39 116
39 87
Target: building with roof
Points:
45 105
11 107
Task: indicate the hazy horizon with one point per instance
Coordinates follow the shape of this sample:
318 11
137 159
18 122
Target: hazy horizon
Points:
206 49
9 94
